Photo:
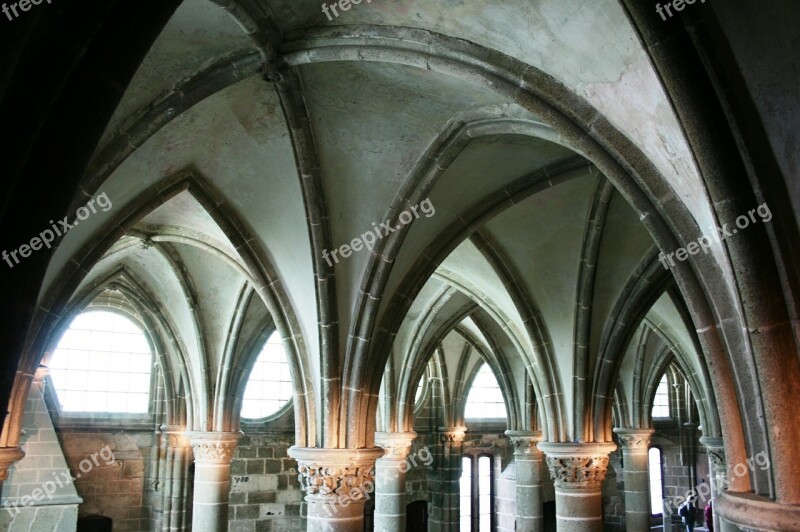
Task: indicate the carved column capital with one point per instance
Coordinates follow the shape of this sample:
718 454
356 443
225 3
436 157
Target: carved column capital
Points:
175 437
396 445
634 440
715 447
525 442
213 447
575 465
453 434
8 457
714 443
328 475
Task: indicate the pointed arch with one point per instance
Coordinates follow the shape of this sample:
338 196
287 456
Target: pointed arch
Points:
267 285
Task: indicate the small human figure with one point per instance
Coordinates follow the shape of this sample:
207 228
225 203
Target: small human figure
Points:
687 512
709 516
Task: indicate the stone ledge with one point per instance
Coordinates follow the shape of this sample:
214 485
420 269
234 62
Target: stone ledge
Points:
750 511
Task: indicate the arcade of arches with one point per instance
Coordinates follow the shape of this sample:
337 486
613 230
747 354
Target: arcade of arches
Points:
523 265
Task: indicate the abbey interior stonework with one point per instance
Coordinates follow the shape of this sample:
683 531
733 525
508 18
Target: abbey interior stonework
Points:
355 265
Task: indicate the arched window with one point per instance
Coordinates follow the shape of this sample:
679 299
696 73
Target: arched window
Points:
656 489
485 399
102 364
269 388
661 399
476 492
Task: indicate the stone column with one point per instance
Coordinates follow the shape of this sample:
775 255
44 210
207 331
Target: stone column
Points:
578 470
452 450
213 452
337 483
528 461
390 480
635 446
718 473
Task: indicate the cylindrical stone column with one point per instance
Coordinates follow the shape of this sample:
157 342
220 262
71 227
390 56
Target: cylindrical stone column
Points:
213 452
635 445
528 460
337 483
578 470
718 473
390 480
452 452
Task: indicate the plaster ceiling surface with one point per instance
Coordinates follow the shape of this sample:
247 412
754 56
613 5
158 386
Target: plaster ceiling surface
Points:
256 316
543 237
215 288
588 45
468 270
666 317
475 334
447 317
183 215
434 292
373 123
624 245
197 34
453 347
485 166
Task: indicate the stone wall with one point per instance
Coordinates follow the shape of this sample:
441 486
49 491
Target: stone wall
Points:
39 493
614 494
265 492
117 489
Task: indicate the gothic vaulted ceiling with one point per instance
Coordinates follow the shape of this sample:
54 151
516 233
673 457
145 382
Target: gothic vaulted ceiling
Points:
257 137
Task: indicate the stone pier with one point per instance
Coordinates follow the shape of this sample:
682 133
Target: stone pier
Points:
635 445
528 459
578 470
337 483
213 452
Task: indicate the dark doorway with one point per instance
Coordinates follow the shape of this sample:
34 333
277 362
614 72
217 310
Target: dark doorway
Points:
94 523
549 512
417 516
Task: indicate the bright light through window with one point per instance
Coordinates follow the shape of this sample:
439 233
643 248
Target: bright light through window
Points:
661 400
465 484
475 487
418 394
485 399
485 493
270 384
102 364
656 494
